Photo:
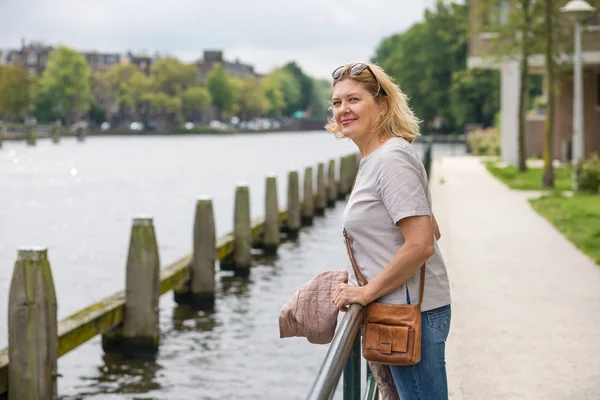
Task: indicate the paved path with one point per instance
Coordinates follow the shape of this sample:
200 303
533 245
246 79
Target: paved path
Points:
526 302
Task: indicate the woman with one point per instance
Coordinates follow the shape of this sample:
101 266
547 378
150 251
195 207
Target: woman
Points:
389 218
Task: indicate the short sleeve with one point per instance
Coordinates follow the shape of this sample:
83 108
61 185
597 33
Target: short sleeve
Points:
401 184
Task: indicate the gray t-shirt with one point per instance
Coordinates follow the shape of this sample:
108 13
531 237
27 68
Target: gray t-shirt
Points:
391 184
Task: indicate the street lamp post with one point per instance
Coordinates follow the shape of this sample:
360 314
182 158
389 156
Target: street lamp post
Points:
578 10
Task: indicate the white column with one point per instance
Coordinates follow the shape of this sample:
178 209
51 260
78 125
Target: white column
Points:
510 83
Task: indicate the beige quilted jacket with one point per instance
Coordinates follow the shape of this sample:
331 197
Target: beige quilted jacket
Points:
310 313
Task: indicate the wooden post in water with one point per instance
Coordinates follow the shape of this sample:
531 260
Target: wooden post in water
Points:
139 335
30 132
271 229
342 188
56 131
200 290
332 185
308 198
321 190
294 218
32 328
242 233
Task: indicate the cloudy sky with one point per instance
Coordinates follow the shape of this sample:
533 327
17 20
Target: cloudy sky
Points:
318 34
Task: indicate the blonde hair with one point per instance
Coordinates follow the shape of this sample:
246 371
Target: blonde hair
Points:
396 118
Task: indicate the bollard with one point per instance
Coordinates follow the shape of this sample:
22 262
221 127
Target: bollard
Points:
199 291
294 218
242 233
321 190
30 133
332 186
139 335
56 131
270 240
308 198
32 328
342 189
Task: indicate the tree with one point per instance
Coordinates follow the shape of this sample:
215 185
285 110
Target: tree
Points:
196 100
65 84
273 91
251 100
172 77
283 91
221 90
548 177
321 97
306 87
15 91
474 96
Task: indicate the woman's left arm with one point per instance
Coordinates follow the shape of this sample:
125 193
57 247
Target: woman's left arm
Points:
416 250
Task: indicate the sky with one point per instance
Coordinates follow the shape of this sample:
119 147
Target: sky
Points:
318 35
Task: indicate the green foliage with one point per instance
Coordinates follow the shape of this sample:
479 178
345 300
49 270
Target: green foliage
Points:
65 84
530 179
470 96
306 88
172 77
484 142
196 99
577 217
15 91
587 174
221 89
426 60
321 97
251 100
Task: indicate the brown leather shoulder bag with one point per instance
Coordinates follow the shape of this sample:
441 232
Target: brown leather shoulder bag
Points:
392 332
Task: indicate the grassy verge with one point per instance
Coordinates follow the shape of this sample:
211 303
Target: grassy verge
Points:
577 217
530 179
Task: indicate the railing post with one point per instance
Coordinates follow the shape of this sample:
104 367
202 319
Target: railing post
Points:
200 290
139 335
332 187
352 372
271 229
294 219
32 328
321 190
308 198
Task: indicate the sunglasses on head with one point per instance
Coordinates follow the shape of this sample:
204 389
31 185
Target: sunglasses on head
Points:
357 69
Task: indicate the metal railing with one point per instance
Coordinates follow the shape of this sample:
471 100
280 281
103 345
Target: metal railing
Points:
344 354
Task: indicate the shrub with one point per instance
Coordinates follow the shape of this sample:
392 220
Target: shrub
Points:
587 174
484 142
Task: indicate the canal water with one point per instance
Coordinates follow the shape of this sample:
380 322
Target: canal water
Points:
78 199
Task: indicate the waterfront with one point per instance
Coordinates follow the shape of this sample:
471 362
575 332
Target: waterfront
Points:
78 199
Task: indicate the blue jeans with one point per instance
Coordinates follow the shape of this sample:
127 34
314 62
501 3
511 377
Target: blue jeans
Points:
427 379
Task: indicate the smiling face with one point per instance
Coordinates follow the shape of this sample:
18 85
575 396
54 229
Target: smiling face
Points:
354 110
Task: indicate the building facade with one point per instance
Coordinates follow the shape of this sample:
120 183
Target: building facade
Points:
479 56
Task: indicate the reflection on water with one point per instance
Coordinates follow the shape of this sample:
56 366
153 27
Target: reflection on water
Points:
186 318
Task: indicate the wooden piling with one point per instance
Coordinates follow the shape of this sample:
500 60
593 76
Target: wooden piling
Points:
271 229
321 202
199 291
294 218
332 186
139 335
30 133
342 189
242 232
308 198
32 328
56 131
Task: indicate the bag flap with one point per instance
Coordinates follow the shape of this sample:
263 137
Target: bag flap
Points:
386 338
